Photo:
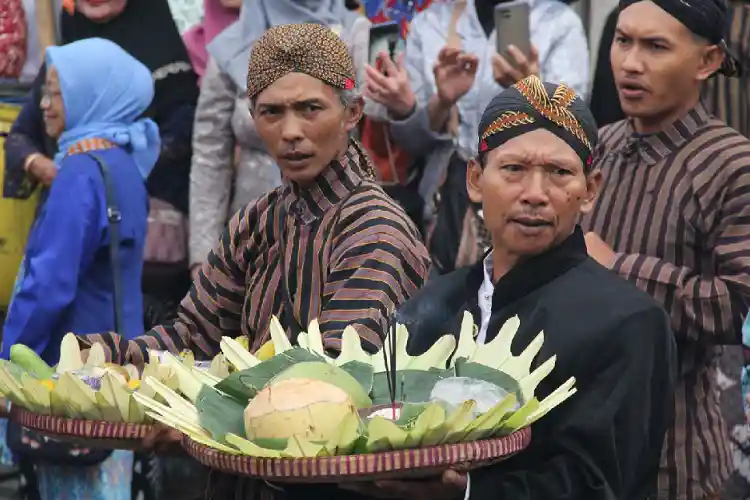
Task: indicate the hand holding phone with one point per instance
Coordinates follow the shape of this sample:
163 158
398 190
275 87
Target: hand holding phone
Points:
507 73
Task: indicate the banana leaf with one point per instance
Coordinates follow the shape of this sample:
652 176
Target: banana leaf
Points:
219 414
362 372
245 384
412 386
465 368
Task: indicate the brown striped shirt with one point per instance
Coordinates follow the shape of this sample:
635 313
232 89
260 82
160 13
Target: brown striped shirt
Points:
351 255
675 205
729 98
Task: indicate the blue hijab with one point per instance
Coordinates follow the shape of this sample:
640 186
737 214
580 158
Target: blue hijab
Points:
104 91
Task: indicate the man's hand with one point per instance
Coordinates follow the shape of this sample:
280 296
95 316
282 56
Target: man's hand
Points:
195 270
391 89
43 169
163 439
599 250
450 486
455 72
507 74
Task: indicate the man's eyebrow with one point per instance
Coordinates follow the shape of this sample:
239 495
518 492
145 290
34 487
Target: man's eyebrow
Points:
650 39
301 102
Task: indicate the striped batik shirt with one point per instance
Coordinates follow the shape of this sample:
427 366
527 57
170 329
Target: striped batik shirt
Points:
675 206
351 255
729 98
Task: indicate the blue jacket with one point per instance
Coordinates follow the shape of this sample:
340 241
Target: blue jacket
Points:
67 284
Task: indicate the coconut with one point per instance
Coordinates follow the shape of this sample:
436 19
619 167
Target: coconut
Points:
332 374
307 408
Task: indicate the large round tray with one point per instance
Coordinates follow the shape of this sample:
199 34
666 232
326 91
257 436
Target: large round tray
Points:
413 463
85 433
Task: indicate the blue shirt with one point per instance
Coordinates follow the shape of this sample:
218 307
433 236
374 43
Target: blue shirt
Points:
67 284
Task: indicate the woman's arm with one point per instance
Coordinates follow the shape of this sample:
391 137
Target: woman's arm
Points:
26 141
211 173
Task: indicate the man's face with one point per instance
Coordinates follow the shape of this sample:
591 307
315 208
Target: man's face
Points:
532 189
304 125
52 105
658 64
101 11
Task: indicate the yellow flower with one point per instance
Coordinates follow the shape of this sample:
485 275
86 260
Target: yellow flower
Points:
266 351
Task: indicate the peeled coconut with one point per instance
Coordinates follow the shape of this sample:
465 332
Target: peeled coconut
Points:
307 408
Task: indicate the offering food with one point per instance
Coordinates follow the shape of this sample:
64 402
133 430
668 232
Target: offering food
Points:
90 390
302 402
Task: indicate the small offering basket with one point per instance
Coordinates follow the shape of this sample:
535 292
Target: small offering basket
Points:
84 433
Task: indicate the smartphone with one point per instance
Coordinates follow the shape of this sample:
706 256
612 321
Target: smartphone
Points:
512 28
386 38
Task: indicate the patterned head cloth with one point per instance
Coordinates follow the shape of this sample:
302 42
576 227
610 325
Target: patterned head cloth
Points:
706 18
530 105
308 48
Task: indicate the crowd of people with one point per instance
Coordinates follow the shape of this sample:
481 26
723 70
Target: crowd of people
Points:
265 162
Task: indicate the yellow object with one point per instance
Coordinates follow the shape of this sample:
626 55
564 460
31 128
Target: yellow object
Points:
266 351
16 217
49 384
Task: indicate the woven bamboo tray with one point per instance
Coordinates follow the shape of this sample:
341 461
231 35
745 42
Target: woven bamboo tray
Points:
86 433
413 463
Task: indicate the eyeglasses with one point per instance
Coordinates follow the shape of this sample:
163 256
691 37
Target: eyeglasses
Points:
48 95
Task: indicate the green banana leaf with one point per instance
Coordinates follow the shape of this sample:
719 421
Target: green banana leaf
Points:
465 368
245 384
362 372
412 386
219 414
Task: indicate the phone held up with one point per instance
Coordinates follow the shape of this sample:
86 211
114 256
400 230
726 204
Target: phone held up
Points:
512 27
385 38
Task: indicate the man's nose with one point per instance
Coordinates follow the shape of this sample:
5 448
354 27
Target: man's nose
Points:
632 61
535 189
291 129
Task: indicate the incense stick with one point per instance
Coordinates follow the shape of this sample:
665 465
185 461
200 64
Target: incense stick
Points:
389 358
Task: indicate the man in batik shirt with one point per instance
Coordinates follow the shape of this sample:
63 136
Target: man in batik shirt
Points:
673 215
328 245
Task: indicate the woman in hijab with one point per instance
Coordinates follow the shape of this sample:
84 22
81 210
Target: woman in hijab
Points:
93 97
230 165
146 30
217 15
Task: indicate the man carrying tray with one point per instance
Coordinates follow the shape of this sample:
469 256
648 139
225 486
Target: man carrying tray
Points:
533 177
328 245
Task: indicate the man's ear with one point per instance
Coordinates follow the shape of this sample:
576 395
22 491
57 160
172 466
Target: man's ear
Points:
593 183
713 58
474 180
354 114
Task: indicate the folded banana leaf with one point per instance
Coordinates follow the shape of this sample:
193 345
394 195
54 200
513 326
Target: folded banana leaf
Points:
245 384
468 369
412 386
220 415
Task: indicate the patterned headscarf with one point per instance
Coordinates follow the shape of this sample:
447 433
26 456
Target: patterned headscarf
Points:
532 104
308 48
706 18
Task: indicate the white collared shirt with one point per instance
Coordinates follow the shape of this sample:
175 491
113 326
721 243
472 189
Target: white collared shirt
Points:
486 291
